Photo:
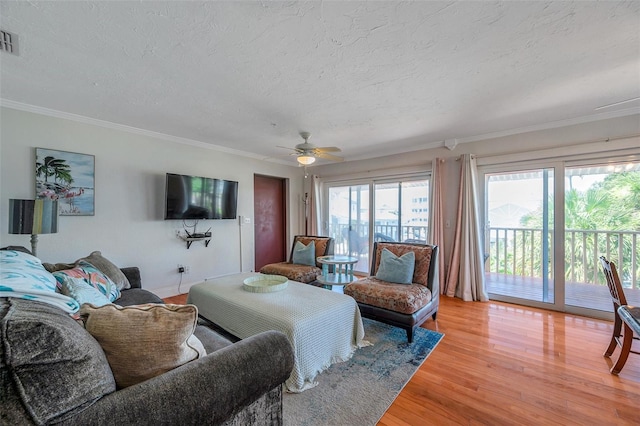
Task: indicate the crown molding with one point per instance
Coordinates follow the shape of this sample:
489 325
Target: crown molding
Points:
433 144
129 129
551 125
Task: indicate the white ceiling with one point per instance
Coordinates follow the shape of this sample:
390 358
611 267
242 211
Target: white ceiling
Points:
373 78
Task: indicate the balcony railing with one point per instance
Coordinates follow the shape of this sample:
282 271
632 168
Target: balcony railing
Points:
355 239
519 252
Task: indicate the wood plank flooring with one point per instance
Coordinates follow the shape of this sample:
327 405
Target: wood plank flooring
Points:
507 364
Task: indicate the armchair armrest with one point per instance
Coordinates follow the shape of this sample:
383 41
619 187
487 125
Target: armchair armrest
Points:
205 391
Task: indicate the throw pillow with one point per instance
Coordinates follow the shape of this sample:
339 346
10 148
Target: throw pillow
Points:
91 276
23 276
80 290
304 255
396 269
107 268
52 365
144 341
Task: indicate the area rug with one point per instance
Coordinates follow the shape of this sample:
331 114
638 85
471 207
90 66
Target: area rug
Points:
359 391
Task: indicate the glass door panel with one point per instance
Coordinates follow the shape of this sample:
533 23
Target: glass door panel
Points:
602 205
519 235
387 212
414 211
348 209
401 211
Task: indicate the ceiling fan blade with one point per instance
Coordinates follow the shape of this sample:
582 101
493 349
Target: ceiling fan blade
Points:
328 156
328 149
288 147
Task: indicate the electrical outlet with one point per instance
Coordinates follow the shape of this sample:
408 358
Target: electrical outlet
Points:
181 269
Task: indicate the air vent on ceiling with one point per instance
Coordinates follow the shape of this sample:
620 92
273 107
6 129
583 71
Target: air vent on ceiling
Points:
8 42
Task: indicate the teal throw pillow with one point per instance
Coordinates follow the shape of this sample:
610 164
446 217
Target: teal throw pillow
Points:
91 276
304 255
81 290
396 269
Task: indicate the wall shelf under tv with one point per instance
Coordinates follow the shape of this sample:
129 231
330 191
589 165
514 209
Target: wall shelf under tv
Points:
190 240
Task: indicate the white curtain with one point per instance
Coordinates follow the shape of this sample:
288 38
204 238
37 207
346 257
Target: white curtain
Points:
436 219
466 272
314 207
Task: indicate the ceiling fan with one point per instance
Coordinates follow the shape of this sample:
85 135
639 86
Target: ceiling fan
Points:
306 153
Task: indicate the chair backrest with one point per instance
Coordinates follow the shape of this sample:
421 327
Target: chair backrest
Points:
324 245
426 267
613 282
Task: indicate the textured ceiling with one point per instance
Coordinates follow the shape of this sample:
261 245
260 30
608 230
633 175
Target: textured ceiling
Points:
373 78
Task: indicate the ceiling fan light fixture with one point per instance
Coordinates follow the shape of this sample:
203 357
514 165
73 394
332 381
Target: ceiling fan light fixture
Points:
305 159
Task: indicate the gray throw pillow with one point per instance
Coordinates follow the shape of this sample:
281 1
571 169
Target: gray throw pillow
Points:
108 268
50 366
304 255
396 269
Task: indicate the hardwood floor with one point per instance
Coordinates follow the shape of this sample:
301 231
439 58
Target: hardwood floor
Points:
507 364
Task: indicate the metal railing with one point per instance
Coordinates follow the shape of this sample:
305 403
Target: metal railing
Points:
354 239
519 251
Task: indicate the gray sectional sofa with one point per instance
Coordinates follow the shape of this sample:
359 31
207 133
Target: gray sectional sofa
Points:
52 371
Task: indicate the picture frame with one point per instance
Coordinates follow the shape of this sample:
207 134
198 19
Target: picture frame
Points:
68 177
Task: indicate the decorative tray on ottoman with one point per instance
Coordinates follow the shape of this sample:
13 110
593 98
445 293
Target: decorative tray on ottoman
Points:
265 283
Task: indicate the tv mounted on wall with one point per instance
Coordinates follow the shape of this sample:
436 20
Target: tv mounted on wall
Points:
194 197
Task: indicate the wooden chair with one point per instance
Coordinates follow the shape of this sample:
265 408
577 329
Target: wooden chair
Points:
401 305
302 273
623 316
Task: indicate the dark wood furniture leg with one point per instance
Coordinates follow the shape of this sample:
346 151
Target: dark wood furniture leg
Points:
624 352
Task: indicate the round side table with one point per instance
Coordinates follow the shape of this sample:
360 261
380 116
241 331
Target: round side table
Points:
343 270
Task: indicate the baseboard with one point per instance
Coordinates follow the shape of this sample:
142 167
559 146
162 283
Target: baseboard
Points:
172 290
175 290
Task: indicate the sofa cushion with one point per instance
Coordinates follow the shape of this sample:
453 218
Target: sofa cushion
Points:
23 276
144 341
50 366
211 340
396 269
304 254
92 276
137 296
301 273
403 298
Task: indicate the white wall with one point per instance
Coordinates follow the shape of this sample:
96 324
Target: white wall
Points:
128 225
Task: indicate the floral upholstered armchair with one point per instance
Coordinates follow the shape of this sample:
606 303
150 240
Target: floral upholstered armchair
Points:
403 296
302 265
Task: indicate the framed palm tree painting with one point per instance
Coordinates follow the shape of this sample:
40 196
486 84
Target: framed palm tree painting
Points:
68 177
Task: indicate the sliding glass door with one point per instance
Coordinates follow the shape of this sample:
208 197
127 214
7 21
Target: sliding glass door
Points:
602 218
401 211
349 222
398 211
519 234
594 204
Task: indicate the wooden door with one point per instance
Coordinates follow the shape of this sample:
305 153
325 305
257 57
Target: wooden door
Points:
269 210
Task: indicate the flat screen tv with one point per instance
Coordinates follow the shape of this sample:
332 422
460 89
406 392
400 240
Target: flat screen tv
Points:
194 197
